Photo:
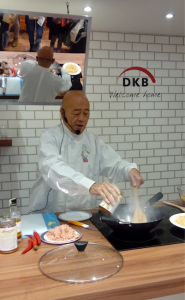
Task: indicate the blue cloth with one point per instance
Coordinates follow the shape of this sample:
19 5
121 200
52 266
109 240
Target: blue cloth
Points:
51 217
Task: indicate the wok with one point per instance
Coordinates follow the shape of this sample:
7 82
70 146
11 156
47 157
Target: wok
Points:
154 217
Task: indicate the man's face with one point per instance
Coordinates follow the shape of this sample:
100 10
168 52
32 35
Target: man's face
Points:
77 114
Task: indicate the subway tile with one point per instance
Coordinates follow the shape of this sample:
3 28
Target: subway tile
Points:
27 184
168 159
13 185
169 65
107 114
162 39
167 189
179 128
101 89
174 136
131 106
96 130
110 130
132 138
161 167
33 141
4 160
131 55
139 114
27 150
32 175
169 48
124 130
169 128
175 89
168 174
117 122
20 193
32 158
176 40
4 177
9 150
168 144
9 168
154 175
132 153
153 160
147 38
108 45
116 54
35 124
92 62
139 47
25 115
17 124
175 151
19 159
147 55
175 73
100 36
154 113
26 132
131 122
116 37
146 153
124 146
175 182
19 176
161 182
161 137
5 195
161 56
146 105
132 38
6 115
179 174
154 47
124 46
181 49
146 137
102 122
168 113
139 129
168 81
160 152
48 124
174 167
153 145
139 145
94 45
43 115
101 71
154 64
28 167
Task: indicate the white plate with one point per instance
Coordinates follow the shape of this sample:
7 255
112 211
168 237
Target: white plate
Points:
75 216
172 220
46 240
79 69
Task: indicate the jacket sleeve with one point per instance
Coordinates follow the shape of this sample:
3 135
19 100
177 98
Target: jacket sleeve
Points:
63 82
111 164
58 174
26 67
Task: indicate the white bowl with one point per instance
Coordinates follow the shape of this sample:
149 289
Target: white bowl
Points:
173 218
79 69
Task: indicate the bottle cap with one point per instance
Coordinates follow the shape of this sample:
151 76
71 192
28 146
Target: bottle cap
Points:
13 202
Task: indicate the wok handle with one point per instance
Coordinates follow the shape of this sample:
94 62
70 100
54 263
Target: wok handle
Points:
112 221
108 220
154 199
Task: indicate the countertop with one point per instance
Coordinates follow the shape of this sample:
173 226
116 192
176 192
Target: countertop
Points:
147 273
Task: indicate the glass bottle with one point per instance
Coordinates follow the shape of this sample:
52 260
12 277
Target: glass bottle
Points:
16 215
8 235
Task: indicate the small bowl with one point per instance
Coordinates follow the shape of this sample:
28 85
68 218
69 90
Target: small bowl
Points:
181 191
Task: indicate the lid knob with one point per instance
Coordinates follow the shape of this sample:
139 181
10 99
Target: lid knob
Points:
80 246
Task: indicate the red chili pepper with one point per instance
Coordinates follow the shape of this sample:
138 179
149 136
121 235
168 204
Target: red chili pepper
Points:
29 235
30 246
37 236
34 243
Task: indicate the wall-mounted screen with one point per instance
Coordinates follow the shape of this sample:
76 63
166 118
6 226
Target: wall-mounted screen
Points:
28 75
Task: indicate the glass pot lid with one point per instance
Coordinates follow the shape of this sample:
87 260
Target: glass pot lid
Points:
18 59
80 262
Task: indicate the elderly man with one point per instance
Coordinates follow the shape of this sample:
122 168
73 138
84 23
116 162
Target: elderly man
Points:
39 84
70 160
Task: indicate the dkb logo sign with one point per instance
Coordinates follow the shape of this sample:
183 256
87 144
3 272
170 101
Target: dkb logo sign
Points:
137 81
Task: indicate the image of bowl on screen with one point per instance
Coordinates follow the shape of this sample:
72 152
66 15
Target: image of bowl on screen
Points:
181 191
72 68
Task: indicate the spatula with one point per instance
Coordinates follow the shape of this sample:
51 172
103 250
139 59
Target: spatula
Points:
138 216
171 204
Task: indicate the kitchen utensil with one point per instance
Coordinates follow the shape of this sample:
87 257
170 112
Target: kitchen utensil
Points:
181 191
139 216
82 225
154 216
47 241
80 262
4 82
75 216
171 204
174 217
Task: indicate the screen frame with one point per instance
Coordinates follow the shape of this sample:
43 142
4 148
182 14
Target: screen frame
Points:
12 100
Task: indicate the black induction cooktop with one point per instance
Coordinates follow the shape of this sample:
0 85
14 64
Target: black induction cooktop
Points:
163 234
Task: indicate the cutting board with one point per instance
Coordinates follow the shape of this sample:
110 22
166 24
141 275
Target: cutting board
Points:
13 87
33 222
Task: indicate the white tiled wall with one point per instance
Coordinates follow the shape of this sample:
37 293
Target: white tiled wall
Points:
145 130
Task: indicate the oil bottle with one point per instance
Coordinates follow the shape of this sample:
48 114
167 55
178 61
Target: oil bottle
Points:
16 215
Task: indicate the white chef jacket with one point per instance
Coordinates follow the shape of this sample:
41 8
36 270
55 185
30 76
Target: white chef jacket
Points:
71 163
40 85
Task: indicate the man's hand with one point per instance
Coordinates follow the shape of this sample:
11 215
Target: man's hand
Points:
108 191
135 178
